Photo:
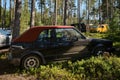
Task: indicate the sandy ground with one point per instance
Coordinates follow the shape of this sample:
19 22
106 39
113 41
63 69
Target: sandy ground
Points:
9 72
16 77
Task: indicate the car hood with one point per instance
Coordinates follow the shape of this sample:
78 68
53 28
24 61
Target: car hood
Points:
106 42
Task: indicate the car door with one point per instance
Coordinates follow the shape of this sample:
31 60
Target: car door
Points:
71 43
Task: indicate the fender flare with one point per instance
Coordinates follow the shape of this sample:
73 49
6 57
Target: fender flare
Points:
35 53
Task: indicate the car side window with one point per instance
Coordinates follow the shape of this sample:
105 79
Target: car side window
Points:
58 37
47 38
47 34
44 34
62 34
68 34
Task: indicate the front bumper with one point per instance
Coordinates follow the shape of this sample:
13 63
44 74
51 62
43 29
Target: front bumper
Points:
111 49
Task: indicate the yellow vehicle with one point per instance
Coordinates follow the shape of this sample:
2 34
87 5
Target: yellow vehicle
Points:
102 28
93 28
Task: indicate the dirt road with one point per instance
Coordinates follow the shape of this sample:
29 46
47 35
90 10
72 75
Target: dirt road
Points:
10 72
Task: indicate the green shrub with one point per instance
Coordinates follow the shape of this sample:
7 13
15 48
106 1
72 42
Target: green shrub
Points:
55 73
95 68
52 73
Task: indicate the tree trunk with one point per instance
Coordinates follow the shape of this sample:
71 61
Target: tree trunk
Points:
16 28
86 12
4 15
65 13
14 7
41 1
63 6
50 11
10 13
111 8
32 17
55 13
88 20
79 21
105 10
99 13
0 12
71 11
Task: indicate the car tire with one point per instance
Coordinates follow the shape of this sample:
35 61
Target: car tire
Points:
31 61
99 51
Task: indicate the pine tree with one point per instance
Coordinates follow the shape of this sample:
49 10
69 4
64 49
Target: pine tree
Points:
32 16
16 28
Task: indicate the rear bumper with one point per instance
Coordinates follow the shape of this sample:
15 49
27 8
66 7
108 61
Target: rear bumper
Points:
14 61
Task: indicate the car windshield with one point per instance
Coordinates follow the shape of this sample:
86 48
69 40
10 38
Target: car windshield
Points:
94 26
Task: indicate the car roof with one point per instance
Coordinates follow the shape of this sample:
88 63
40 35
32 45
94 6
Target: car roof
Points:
31 34
52 26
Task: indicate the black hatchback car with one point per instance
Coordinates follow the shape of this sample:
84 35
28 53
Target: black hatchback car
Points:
43 44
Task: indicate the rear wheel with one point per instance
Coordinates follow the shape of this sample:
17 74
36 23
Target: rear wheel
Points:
31 61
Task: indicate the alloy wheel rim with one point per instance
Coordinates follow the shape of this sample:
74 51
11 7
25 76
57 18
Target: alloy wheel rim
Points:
31 62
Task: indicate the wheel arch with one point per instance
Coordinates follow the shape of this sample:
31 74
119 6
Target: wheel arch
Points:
33 53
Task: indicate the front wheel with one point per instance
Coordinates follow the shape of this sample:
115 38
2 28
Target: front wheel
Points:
99 51
31 61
